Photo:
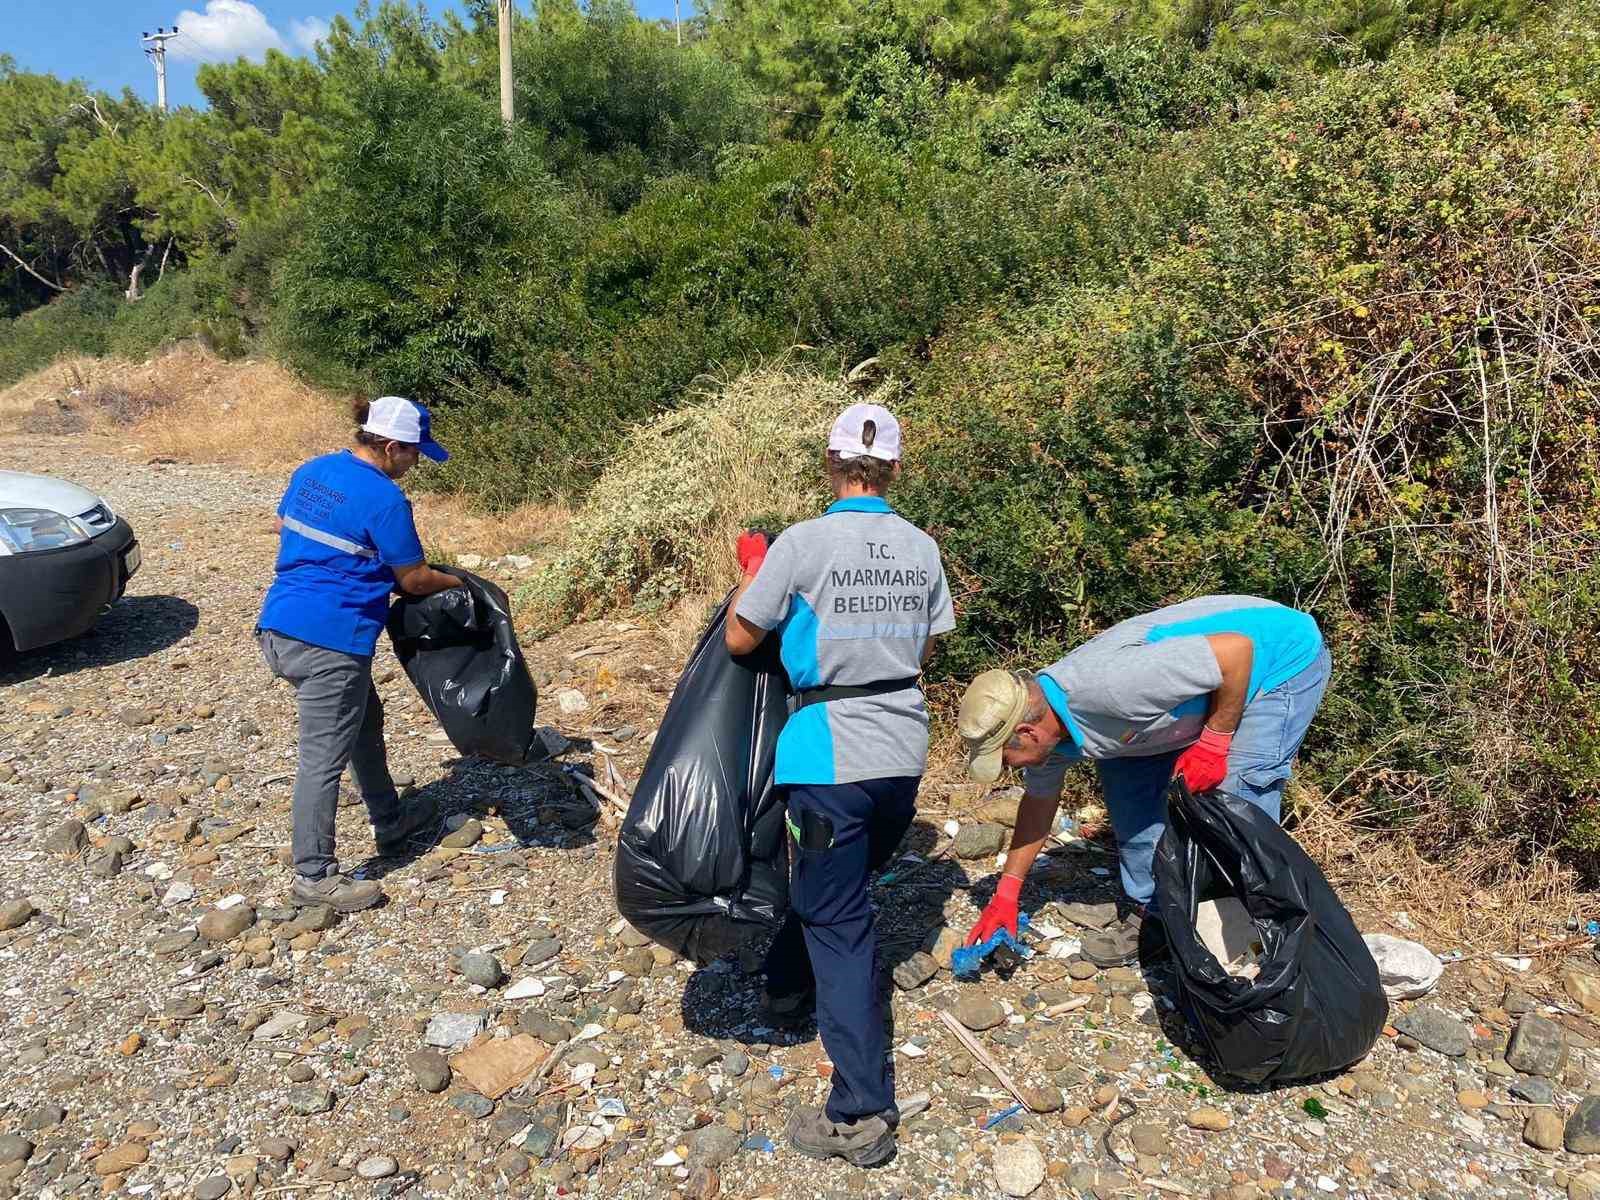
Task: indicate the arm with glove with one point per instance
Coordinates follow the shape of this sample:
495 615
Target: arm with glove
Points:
741 634
1204 765
1034 816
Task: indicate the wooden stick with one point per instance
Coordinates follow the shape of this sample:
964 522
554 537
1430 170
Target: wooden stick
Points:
1066 1006
596 793
983 1056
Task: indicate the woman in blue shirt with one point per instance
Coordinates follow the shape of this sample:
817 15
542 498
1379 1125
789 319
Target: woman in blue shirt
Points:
347 540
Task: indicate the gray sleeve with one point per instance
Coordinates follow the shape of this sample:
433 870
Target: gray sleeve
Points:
1140 683
766 601
1046 779
941 612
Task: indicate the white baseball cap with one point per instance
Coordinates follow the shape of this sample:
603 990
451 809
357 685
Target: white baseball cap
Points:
868 430
404 420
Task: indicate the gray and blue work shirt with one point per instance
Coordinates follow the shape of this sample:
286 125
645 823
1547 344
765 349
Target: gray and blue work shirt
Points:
1142 687
855 595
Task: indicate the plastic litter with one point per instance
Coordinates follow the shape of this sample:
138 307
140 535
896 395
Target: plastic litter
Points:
459 649
1002 1115
701 860
775 1071
611 1107
1406 969
1317 1004
760 1142
1228 932
965 960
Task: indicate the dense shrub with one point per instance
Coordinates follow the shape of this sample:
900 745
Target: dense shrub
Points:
76 323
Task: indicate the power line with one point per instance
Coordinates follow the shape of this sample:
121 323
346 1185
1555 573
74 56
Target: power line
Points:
155 49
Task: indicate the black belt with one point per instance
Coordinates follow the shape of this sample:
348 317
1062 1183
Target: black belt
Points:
851 691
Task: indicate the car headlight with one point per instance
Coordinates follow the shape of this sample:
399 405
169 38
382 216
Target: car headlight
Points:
24 529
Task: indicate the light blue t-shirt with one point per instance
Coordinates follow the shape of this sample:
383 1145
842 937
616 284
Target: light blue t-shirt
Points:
346 526
1141 687
855 595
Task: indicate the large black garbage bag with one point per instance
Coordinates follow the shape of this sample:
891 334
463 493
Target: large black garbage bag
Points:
1317 1004
701 861
460 650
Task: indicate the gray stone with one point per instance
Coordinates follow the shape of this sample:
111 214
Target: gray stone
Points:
482 969
213 1187
978 1011
429 1069
316 918
979 840
1534 1090
546 1029
135 717
44 1116
379 1166
513 1164
467 835
309 1099
735 1063
68 838
1543 1129
1150 1140
713 1145
472 1104
278 1149
916 970
1583 1127
1089 916
541 1139
106 865
15 1148
1538 1047
541 951
16 913
1437 1030
1019 1168
453 1030
171 943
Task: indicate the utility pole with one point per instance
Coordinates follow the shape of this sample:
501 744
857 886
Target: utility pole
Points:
155 49
677 24
508 111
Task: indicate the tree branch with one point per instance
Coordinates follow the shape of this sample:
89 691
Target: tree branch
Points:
29 269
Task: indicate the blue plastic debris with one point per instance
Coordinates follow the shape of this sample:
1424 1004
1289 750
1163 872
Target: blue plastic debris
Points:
1592 928
1002 1115
965 960
775 1071
760 1142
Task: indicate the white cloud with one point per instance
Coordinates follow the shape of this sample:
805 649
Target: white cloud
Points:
229 29
307 32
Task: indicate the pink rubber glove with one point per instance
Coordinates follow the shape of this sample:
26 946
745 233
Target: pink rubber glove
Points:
1204 765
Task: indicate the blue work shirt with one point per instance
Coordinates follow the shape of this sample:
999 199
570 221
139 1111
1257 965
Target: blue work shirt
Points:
346 526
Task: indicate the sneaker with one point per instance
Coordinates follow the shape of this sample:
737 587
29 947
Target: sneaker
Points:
863 1143
338 892
787 1011
1131 937
418 822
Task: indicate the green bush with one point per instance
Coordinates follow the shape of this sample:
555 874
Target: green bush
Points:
78 322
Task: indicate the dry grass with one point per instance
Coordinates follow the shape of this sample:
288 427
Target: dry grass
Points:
451 525
186 405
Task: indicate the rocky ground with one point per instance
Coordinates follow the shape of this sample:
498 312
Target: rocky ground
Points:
171 1028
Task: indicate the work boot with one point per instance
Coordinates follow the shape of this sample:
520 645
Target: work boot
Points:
418 822
338 892
1134 936
789 1010
863 1143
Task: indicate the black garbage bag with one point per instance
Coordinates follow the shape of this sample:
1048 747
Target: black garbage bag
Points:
1316 1005
460 650
701 861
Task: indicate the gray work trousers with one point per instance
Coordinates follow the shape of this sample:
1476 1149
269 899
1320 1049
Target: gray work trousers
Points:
341 722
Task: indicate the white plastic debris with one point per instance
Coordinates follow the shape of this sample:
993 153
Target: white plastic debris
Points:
670 1159
1064 947
1225 927
1044 931
582 1072
611 1107
497 897
1514 964
588 1033
912 1050
1406 969
951 828
524 989
158 870
232 901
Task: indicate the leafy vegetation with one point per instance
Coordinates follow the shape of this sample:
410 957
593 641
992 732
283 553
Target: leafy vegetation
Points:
1295 299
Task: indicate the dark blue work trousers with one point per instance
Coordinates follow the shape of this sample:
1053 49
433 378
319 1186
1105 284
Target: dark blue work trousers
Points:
829 939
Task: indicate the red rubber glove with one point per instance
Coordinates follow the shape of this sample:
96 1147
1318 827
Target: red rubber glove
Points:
751 549
1204 765
1001 912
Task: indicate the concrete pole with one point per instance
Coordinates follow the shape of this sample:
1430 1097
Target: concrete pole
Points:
507 105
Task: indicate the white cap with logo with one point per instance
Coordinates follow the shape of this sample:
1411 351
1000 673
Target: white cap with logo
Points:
866 430
406 421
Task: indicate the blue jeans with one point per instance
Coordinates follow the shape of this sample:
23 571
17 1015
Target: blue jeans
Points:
829 939
1259 761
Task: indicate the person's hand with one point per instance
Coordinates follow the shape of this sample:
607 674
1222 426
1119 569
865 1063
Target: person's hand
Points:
1204 765
1000 913
751 549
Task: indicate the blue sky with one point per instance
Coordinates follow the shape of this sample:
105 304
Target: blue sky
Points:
98 40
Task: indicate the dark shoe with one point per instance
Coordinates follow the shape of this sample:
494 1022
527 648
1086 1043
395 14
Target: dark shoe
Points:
1135 936
418 823
863 1143
788 1011
338 892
